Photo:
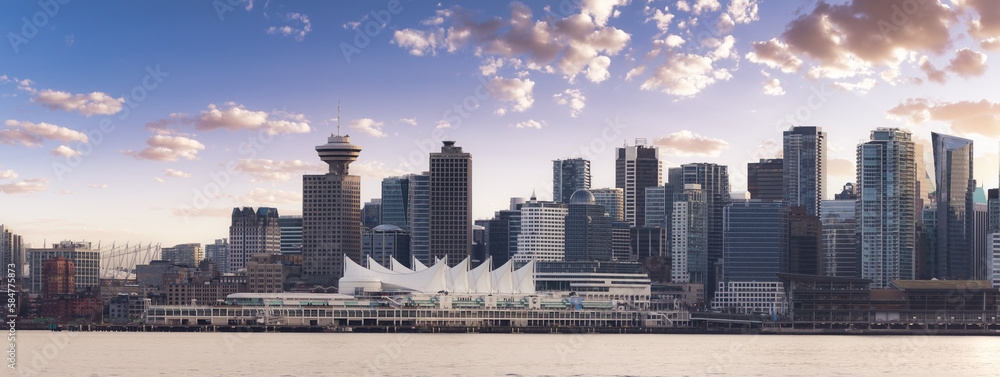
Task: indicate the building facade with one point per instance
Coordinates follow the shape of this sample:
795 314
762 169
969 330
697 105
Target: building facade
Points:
218 253
636 168
765 179
840 244
331 214
886 187
291 234
450 204
613 200
188 254
804 164
756 234
588 229
395 202
543 232
955 214
568 176
689 236
420 216
385 242
250 233
86 264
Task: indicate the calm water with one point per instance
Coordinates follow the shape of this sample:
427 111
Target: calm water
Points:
44 353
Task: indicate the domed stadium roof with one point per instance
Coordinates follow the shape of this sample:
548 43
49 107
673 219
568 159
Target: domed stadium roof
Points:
582 196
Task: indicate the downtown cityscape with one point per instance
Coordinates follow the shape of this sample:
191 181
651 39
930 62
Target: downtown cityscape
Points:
586 167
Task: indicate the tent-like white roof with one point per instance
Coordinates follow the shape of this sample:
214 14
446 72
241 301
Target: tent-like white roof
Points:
440 277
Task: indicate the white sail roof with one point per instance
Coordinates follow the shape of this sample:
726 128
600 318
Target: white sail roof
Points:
375 266
399 267
479 277
458 277
417 265
439 277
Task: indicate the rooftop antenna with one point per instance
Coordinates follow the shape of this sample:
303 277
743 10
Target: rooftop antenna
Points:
338 118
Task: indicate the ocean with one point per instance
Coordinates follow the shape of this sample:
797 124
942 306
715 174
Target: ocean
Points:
46 353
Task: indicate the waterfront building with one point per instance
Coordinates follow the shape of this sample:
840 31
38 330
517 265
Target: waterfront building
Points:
290 228
188 254
886 199
613 200
804 163
385 242
218 253
251 233
756 234
765 179
450 203
636 168
568 176
689 236
840 245
419 207
953 157
11 249
269 273
714 180
396 201
59 276
331 213
505 226
658 207
543 231
805 242
981 258
86 264
621 242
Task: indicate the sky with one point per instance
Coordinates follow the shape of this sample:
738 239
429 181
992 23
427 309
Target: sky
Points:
149 121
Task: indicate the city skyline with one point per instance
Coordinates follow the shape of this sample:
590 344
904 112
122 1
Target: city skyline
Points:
224 109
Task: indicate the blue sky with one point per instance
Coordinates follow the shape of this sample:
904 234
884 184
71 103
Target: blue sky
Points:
149 121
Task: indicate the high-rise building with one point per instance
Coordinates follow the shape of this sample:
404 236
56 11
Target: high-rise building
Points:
588 229
714 180
543 231
689 236
480 241
568 176
613 200
636 168
756 234
11 250
765 179
86 262
848 193
805 242
371 213
504 227
981 258
291 234
331 214
804 163
384 242
621 242
451 203
955 187
840 244
188 254
886 189
395 202
419 207
218 253
657 210
251 233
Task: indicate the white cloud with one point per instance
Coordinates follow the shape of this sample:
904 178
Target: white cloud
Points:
176 173
158 179
860 87
516 91
632 73
168 148
572 98
260 196
86 104
774 54
685 75
410 121
299 30
601 10
687 143
272 170
743 11
26 186
65 151
968 63
374 169
705 5
662 18
34 134
98 186
7 174
442 124
530 123
773 87
597 70
367 126
235 117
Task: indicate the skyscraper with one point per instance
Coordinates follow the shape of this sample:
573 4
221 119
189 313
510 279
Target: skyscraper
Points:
804 164
188 254
689 236
371 213
395 201
251 233
636 168
384 242
291 234
714 180
613 200
805 242
218 253
765 179
588 229
331 214
840 245
658 208
543 231
451 203
886 197
955 186
568 176
755 241
11 249
86 261
419 207
505 226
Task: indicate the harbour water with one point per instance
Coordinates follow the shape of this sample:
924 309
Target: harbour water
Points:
46 353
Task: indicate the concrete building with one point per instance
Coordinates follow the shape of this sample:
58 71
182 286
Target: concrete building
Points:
804 164
251 233
689 236
420 216
86 262
658 207
751 297
127 306
395 202
269 273
765 179
188 254
290 228
11 249
953 157
886 206
505 226
331 214
385 242
218 253
714 180
613 200
588 229
543 232
568 176
840 244
450 204
59 276
636 168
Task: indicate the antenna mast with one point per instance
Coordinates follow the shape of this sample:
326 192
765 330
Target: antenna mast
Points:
338 118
